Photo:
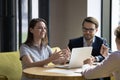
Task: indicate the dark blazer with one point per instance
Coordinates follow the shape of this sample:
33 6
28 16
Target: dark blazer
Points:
78 42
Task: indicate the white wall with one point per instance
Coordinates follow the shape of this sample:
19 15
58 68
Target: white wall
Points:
95 11
66 17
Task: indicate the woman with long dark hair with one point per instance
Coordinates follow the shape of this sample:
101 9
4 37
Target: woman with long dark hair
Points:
35 51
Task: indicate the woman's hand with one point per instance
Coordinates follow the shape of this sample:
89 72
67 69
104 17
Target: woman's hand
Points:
64 57
56 55
66 53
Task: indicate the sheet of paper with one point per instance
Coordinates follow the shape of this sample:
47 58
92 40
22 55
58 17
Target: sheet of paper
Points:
60 71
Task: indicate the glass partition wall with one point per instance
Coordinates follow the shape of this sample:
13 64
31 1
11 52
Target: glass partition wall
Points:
26 9
95 11
115 21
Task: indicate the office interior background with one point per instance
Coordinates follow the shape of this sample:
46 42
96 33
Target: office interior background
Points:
64 18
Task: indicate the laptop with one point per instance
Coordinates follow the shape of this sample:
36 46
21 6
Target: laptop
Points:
78 55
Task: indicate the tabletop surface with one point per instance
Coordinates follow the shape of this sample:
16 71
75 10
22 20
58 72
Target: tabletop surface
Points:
52 72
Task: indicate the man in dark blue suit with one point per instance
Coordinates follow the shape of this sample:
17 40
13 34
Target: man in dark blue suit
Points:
89 28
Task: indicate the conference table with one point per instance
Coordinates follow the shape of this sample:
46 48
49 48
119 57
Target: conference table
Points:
53 73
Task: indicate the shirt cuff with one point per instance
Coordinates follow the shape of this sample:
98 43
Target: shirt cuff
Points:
97 59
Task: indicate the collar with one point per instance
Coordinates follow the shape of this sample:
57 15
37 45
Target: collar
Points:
85 43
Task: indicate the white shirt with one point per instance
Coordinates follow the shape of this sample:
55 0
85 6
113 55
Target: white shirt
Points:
108 66
85 42
85 45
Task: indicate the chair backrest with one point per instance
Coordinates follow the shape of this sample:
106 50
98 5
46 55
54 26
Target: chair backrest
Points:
10 65
54 48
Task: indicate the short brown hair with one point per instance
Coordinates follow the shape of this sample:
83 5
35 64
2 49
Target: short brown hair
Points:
91 20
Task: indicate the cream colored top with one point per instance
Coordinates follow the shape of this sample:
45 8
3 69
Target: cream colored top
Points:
108 66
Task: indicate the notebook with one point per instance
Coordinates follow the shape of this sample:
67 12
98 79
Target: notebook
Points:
78 55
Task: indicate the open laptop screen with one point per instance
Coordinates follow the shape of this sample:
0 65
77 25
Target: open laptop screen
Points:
78 55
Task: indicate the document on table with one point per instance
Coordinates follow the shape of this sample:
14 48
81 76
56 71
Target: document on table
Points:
60 71
65 71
